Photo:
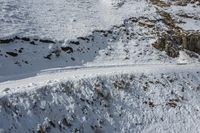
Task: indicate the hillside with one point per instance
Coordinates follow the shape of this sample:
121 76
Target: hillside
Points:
99 66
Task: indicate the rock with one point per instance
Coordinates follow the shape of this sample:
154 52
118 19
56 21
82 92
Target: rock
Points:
102 90
146 23
184 15
20 50
67 49
17 38
167 19
120 84
32 42
46 41
56 52
2 41
72 58
13 54
83 38
40 129
191 41
67 122
75 42
25 39
48 56
172 43
159 3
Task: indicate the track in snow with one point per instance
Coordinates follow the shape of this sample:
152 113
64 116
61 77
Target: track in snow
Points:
49 75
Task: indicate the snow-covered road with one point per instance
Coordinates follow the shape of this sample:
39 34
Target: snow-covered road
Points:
58 74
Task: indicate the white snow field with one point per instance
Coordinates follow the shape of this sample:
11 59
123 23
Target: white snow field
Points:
64 19
88 66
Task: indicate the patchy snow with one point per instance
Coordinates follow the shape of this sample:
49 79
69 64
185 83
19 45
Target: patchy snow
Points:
128 43
188 16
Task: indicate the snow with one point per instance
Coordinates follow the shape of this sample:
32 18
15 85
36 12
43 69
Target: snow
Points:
125 44
63 19
131 99
89 66
51 75
183 58
192 10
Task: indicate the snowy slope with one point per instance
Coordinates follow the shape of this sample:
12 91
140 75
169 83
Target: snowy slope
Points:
64 19
90 66
130 29
119 99
127 43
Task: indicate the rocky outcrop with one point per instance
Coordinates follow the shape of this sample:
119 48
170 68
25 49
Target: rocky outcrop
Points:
167 44
185 2
161 3
175 41
191 41
13 54
175 38
25 39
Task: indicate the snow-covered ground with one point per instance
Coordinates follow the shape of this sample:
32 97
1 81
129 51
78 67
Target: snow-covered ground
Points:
89 66
149 99
124 38
64 19
127 43
187 16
